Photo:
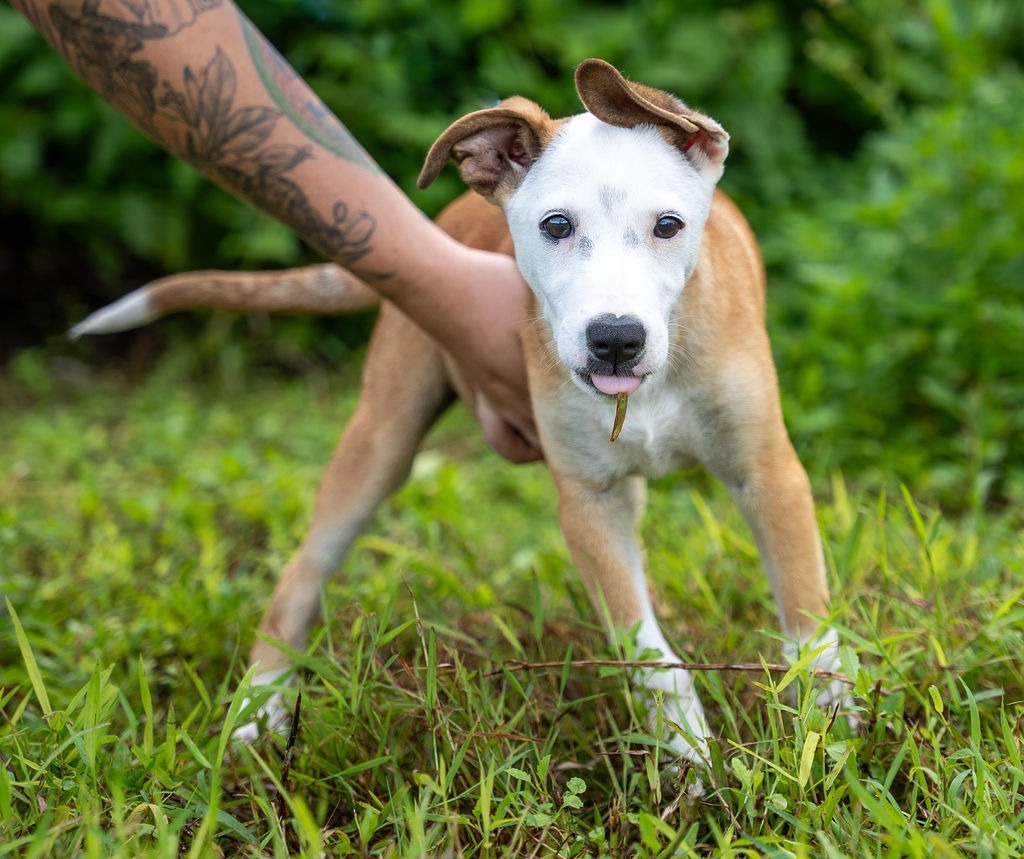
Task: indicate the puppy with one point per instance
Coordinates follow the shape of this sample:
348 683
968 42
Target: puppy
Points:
646 309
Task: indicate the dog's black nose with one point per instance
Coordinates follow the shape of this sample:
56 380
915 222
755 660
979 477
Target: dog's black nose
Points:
616 340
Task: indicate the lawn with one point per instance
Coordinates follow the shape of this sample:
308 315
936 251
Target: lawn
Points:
458 699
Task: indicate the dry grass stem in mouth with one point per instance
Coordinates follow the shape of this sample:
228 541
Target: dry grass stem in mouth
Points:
621 401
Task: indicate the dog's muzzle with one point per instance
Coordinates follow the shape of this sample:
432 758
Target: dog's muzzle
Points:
615 344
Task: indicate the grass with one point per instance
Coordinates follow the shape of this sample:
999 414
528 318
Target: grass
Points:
453 702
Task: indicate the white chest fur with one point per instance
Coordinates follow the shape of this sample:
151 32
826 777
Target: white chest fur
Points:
661 433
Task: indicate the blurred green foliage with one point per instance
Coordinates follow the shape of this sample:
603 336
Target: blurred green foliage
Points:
876 150
905 311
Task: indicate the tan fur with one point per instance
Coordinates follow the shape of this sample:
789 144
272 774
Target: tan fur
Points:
721 357
723 305
320 289
371 461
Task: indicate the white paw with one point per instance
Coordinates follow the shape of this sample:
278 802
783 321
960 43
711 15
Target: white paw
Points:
691 745
682 722
832 694
272 716
835 695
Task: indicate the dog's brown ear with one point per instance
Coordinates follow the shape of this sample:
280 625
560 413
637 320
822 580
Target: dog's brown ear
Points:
616 101
493 148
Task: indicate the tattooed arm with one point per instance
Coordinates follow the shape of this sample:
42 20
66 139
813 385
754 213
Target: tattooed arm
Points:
198 78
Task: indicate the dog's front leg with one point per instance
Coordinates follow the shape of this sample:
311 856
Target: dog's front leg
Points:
775 497
600 526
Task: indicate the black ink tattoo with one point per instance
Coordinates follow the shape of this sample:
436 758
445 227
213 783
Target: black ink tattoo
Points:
231 143
100 48
225 141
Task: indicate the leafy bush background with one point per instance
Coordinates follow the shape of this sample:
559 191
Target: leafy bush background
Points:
876 150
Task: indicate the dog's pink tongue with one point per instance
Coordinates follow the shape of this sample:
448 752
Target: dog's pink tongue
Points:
615 384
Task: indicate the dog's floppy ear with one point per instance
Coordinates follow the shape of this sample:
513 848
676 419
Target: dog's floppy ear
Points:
616 101
493 148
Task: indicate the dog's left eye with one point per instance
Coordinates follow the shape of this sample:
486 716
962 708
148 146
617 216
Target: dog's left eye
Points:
667 226
556 226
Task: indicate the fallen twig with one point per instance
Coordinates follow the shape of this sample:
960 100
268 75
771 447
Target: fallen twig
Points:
280 803
771 668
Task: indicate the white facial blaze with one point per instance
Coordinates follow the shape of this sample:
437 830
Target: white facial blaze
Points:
613 185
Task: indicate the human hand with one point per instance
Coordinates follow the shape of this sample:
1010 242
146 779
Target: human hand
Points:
490 358
516 442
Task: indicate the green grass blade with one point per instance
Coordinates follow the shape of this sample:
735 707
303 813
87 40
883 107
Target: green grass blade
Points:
31 666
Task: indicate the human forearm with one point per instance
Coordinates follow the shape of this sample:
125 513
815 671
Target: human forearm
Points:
206 86
198 78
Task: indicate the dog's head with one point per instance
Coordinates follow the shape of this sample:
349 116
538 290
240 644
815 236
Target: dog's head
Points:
606 211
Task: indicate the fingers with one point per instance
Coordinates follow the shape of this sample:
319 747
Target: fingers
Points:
489 353
517 445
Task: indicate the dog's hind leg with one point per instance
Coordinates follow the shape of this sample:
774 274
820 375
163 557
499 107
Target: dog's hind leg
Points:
600 526
405 389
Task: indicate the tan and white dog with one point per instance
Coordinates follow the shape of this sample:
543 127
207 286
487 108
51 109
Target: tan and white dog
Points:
645 282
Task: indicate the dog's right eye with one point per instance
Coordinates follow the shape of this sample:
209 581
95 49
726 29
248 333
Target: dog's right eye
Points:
556 226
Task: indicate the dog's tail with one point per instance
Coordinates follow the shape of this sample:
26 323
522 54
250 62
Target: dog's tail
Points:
318 289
